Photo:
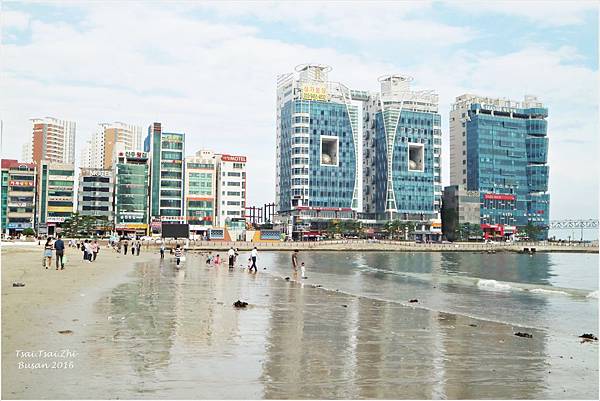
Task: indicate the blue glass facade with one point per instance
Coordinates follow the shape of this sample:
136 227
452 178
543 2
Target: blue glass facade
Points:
507 154
413 192
308 130
331 185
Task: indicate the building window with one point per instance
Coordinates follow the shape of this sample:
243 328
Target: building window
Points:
329 151
416 155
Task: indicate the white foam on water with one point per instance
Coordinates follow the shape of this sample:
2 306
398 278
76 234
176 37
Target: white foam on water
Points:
593 294
543 291
493 285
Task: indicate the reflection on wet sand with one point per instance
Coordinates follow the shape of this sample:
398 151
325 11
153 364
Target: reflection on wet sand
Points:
374 349
175 334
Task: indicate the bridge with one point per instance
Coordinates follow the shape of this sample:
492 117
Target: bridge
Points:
590 224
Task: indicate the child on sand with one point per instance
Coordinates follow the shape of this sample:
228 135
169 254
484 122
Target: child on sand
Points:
302 271
217 260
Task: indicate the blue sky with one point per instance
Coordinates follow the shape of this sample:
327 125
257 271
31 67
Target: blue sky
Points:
209 69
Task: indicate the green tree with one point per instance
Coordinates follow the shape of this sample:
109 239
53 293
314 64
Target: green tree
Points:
28 232
532 231
78 226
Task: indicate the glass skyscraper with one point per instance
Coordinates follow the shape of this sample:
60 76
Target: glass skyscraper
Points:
402 150
499 147
167 155
318 131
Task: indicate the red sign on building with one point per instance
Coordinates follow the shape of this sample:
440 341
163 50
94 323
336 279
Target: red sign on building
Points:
229 158
499 197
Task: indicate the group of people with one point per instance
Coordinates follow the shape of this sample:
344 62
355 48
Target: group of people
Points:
58 247
124 245
232 255
89 248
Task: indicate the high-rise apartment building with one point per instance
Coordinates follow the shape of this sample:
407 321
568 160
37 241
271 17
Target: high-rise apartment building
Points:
95 197
55 195
318 144
53 140
499 147
231 191
166 152
402 146
200 191
101 149
18 196
26 152
131 186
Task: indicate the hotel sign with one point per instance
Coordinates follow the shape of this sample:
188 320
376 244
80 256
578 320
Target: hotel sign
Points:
96 173
499 197
229 158
314 92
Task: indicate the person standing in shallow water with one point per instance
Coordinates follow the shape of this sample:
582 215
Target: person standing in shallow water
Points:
162 250
254 256
295 261
231 255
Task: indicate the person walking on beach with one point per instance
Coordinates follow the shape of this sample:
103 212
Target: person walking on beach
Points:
231 254
217 260
95 249
209 258
84 249
302 271
295 260
125 244
139 246
178 254
162 250
254 255
59 246
88 250
48 253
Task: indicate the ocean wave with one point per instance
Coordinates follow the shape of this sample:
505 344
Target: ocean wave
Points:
493 285
543 291
593 294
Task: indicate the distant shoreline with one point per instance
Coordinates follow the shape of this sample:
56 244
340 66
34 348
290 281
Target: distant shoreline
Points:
393 247
366 246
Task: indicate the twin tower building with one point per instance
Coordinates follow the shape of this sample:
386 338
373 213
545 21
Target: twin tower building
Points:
376 156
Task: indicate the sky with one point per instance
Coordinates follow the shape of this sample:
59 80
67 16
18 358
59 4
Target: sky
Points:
209 69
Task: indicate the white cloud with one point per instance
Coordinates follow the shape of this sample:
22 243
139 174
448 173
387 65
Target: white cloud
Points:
216 82
13 20
545 13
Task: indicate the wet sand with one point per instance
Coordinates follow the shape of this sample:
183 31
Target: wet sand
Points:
51 301
162 333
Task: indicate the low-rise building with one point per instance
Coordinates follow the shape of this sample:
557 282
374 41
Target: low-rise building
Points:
200 192
18 196
459 206
55 196
231 189
95 197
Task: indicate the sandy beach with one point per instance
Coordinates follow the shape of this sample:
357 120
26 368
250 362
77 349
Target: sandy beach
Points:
143 329
51 301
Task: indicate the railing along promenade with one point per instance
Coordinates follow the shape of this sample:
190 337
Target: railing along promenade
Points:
364 245
389 245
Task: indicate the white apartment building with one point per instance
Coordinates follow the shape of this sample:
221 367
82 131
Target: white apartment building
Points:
100 149
231 190
53 140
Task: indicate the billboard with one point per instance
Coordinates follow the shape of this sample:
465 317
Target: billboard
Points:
175 230
315 92
230 158
499 197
